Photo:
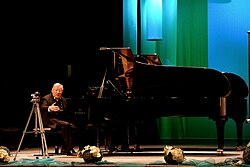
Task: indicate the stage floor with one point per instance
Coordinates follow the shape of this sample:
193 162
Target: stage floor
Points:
148 155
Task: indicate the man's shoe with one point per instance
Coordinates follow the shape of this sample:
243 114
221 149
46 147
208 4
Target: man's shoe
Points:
63 152
71 153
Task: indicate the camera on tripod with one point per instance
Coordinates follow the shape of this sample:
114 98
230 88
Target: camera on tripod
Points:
38 125
35 97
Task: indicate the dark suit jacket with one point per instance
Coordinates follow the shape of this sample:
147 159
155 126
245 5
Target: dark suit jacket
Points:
50 118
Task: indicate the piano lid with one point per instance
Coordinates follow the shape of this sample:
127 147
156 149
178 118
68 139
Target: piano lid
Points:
163 80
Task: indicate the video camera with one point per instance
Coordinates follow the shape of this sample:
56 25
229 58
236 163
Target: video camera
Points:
35 97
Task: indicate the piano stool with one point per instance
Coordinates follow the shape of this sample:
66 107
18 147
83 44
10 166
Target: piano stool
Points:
50 136
82 136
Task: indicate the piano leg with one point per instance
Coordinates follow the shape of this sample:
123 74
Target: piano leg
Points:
239 118
239 128
220 125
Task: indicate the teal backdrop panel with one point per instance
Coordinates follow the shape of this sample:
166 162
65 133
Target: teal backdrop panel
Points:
228 23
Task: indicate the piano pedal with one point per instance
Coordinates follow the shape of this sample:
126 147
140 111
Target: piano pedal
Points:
219 152
239 148
137 147
112 149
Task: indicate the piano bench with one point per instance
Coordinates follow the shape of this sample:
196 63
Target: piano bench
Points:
52 139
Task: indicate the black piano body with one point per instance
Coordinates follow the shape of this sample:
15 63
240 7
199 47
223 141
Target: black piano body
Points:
146 90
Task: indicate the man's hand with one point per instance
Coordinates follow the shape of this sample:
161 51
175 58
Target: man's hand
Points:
54 108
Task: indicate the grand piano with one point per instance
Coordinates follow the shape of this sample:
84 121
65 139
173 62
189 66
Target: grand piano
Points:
143 88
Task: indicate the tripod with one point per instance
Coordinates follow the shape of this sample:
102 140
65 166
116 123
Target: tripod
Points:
38 126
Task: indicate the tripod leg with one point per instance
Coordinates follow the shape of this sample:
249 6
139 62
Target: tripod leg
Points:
24 132
44 145
43 138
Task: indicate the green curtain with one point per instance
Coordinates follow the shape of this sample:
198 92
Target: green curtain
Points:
192 33
191 50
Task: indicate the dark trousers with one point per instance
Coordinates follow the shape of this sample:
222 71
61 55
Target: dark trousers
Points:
67 132
67 137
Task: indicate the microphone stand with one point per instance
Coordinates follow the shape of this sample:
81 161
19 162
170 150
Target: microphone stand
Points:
115 88
102 86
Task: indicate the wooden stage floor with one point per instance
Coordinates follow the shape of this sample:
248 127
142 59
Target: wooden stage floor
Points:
149 155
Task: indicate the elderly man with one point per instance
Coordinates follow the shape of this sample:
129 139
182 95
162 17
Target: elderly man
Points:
54 115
